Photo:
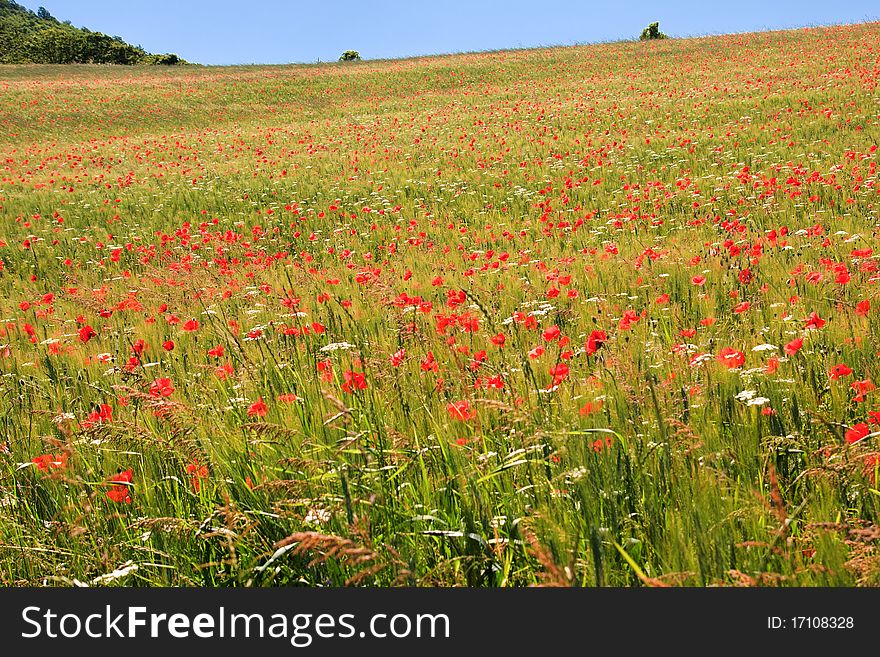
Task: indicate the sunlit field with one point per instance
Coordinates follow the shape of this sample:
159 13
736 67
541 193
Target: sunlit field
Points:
589 316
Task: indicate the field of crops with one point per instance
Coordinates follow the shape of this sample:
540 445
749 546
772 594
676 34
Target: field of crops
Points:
601 315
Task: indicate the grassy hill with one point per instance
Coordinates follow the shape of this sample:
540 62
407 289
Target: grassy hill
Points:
602 315
28 37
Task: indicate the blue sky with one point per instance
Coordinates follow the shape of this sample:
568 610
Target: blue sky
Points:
282 31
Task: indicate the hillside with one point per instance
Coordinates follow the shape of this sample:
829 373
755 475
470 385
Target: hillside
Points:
596 316
28 37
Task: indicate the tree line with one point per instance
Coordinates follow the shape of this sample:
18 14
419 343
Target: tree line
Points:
28 37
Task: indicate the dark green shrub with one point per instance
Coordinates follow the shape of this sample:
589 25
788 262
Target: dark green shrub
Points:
652 32
168 59
350 56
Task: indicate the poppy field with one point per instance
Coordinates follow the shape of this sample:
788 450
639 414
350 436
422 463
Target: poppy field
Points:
603 315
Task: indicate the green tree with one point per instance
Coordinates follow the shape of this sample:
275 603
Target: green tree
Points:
38 37
652 32
350 56
55 45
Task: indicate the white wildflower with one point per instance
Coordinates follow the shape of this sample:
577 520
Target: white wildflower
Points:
334 346
317 516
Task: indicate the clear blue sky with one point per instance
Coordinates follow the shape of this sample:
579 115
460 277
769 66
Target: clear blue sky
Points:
282 31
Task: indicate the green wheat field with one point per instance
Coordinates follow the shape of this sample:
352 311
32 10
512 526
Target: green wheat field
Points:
584 316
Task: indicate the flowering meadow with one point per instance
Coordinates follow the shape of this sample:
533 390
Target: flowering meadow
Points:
603 315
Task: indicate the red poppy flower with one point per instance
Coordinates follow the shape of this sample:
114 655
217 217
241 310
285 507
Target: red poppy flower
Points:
224 371
461 410
121 492
595 341
103 414
862 388
629 317
353 381
496 381
794 346
191 326
196 472
590 407
397 357
161 388
258 408
814 321
551 333
559 372
731 358
86 333
857 433
838 371
47 462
